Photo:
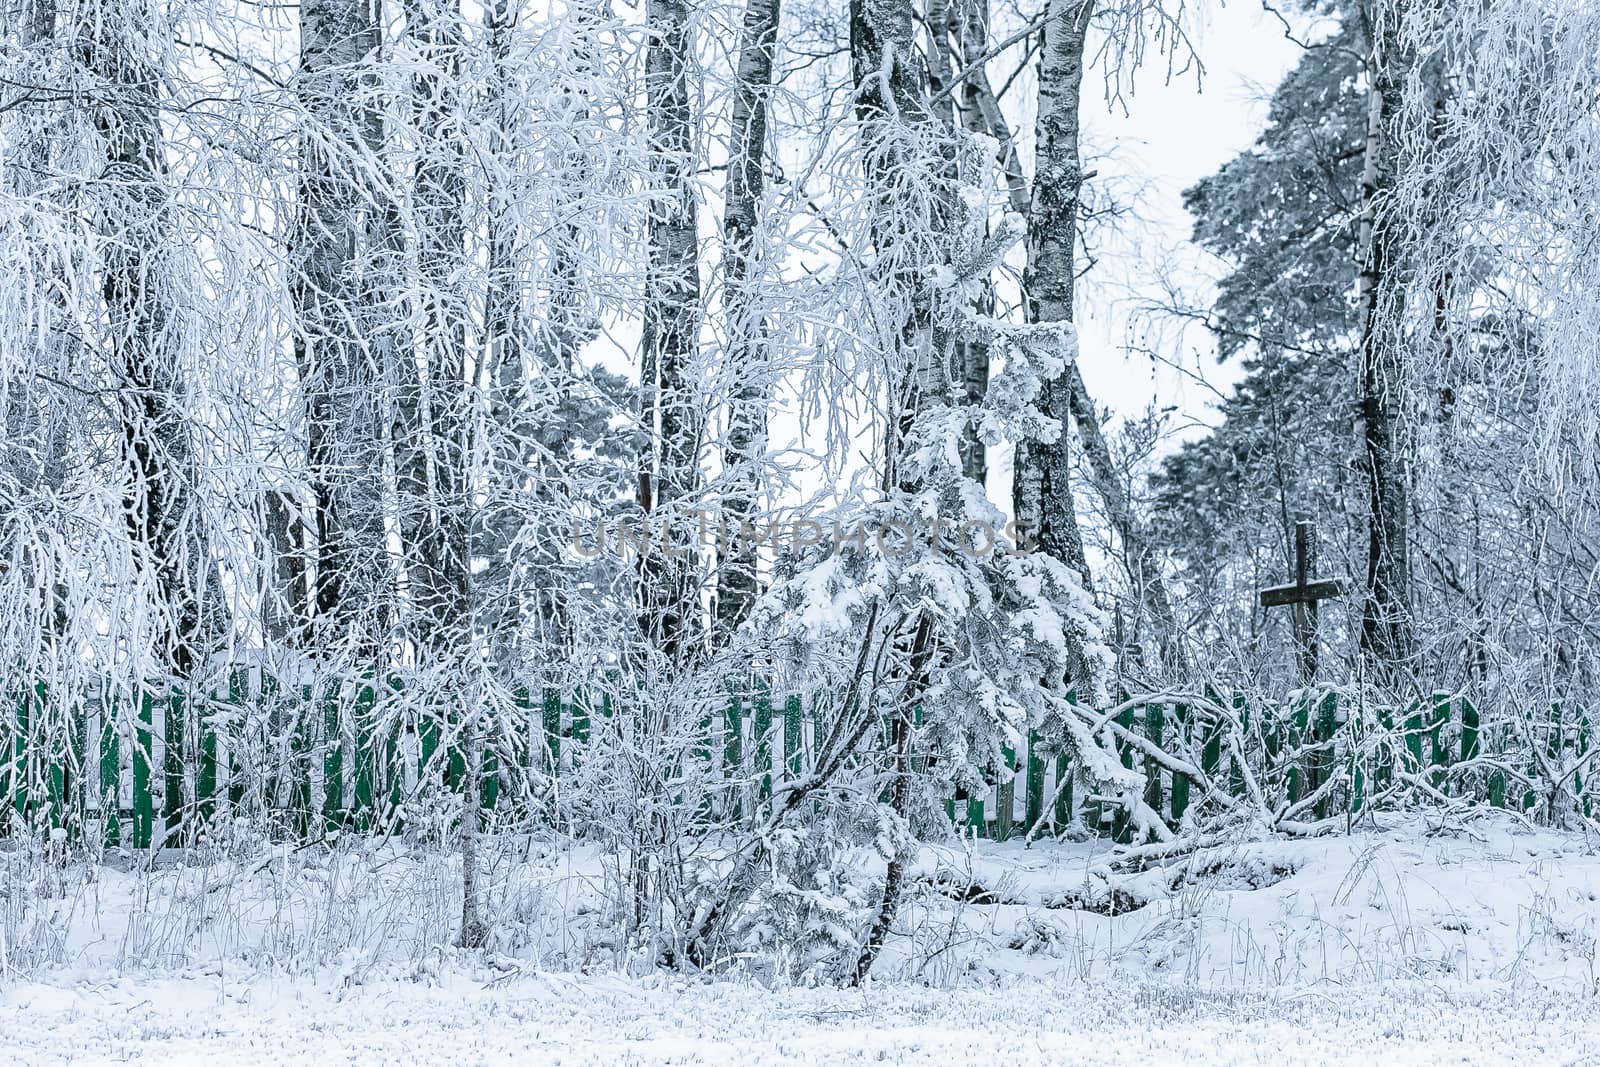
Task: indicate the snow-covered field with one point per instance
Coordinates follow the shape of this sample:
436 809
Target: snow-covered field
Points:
609 1021
1493 902
1417 944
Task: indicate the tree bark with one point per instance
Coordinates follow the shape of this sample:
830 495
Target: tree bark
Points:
1042 486
969 24
339 237
432 419
892 92
474 932
431 447
138 290
748 394
1388 638
285 605
979 105
891 95
667 403
33 453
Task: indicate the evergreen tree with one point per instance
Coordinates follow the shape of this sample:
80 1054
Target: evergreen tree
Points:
1282 215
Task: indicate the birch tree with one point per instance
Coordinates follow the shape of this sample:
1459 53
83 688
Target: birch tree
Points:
749 391
1387 632
983 112
669 409
338 240
435 413
431 443
1042 487
140 275
891 103
37 421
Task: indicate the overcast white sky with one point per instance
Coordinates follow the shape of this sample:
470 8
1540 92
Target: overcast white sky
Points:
1172 135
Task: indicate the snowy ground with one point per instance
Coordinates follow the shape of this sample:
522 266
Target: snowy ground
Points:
1417 944
615 1021
1494 902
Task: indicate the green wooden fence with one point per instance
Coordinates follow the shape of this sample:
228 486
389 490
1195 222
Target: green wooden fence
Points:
144 769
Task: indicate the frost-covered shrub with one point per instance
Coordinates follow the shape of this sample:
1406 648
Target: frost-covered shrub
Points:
976 642
809 914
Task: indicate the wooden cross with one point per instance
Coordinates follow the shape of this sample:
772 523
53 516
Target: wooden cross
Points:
1303 596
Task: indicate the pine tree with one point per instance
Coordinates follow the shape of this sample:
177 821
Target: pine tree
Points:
1283 216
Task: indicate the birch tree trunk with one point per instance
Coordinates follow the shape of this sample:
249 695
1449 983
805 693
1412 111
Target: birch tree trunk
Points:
433 419
1042 486
748 395
474 932
892 103
514 461
339 233
142 342
33 452
668 404
431 447
909 158
1387 635
979 104
981 107
286 609
968 24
